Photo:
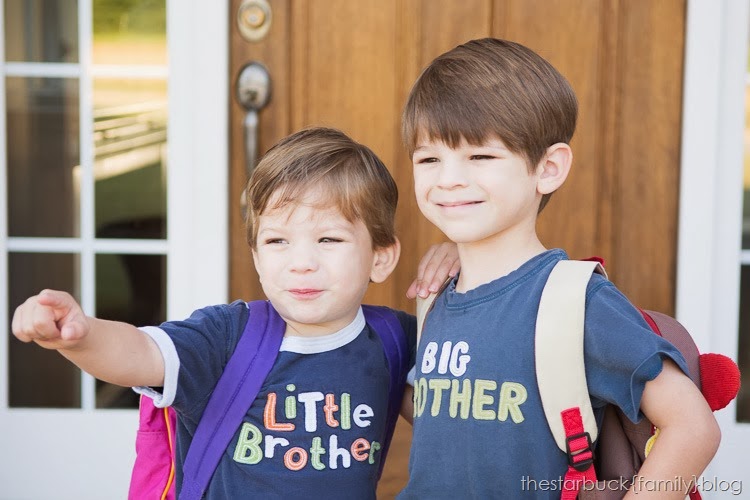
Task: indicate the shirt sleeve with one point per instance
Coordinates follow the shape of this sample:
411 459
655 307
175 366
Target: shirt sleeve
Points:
165 397
202 345
622 352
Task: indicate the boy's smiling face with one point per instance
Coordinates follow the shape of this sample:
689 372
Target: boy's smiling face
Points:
315 265
475 193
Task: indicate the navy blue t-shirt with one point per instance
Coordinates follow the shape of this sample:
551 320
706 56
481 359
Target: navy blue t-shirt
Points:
479 427
316 428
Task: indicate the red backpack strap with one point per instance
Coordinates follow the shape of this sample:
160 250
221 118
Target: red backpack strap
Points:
580 455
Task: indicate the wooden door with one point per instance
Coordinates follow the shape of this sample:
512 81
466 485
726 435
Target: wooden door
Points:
350 64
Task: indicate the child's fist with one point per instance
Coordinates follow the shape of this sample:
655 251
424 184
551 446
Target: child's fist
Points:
52 319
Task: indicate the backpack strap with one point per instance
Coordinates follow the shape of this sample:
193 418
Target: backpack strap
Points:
560 369
388 327
235 391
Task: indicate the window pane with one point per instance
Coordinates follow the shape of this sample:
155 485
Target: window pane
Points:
132 32
130 134
130 288
42 137
40 377
746 209
743 400
41 30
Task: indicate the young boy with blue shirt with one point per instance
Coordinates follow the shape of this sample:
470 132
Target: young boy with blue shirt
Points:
321 227
488 126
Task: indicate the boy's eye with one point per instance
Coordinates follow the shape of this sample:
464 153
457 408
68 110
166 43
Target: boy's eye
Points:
482 157
275 241
428 159
330 240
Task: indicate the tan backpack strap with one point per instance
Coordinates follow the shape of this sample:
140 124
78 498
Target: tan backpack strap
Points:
425 305
560 370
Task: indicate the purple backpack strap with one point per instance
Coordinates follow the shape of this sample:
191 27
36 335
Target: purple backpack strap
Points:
237 388
388 327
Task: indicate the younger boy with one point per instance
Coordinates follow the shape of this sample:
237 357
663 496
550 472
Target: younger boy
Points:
320 227
488 126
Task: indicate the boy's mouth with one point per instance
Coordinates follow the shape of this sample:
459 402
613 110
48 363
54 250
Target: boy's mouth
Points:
305 293
453 204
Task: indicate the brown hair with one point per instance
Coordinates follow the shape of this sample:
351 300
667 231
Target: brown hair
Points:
491 88
351 177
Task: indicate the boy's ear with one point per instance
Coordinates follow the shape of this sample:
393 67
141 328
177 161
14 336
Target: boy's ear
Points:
554 168
384 262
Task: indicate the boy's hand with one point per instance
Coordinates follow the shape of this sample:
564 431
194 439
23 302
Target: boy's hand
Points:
52 319
440 262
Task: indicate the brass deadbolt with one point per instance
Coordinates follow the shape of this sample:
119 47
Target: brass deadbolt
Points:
254 19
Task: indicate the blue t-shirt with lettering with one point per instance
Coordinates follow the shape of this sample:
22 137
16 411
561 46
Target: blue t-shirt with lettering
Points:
317 426
479 427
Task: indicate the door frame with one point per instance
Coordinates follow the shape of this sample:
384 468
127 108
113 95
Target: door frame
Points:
101 442
710 215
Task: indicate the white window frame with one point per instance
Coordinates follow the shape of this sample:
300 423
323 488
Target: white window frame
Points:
709 254
197 263
197 164
710 218
198 155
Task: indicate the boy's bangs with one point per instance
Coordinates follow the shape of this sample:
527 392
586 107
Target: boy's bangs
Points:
334 192
452 121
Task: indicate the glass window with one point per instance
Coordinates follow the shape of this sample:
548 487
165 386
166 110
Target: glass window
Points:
743 399
43 154
41 30
84 209
130 32
40 377
130 139
130 288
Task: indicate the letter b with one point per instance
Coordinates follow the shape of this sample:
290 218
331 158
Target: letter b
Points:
428 359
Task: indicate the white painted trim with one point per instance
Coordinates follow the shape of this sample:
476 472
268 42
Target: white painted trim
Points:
49 70
75 70
709 246
87 182
4 319
699 144
65 245
198 161
745 257
711 170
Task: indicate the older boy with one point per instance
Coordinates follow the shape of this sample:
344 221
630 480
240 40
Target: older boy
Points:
321 227
488 126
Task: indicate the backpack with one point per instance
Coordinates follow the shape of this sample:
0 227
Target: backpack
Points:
621 446
154 469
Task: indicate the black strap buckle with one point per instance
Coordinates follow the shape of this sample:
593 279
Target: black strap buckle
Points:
581 465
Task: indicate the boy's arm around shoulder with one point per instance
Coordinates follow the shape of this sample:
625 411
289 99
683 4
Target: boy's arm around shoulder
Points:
688 435
112 351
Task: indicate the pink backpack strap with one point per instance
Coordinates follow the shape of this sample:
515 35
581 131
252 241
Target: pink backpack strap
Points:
154 469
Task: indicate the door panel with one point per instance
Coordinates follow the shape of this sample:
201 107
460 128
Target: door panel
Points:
351 63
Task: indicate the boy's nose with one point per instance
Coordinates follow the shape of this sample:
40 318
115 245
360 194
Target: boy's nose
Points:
302 259
451 175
